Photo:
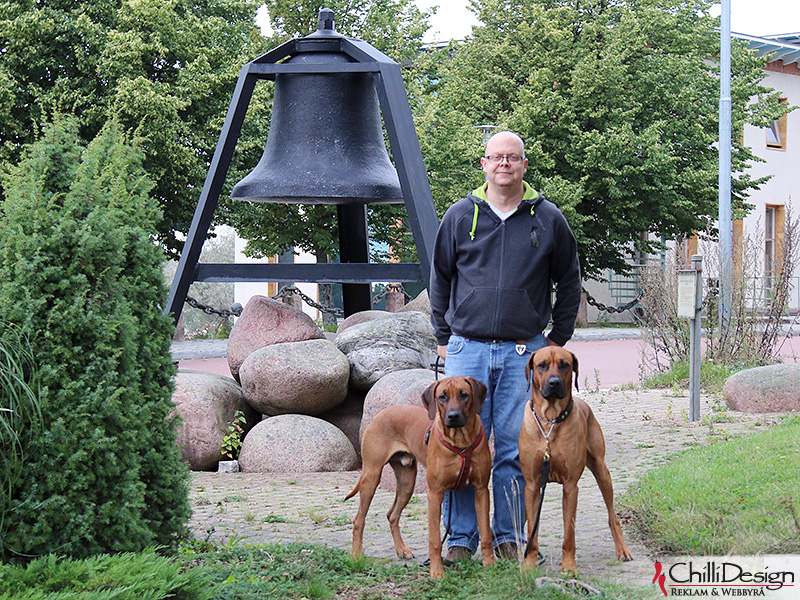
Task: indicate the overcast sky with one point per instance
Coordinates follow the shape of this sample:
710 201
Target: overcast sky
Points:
454 20
755 17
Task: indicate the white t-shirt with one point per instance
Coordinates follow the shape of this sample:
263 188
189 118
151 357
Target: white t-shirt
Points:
503 215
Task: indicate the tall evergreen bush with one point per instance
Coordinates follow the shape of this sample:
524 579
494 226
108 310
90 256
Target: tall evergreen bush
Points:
81 275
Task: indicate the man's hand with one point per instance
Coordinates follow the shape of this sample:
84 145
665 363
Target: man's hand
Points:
547 340
442 351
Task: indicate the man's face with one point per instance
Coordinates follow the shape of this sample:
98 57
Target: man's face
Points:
505 173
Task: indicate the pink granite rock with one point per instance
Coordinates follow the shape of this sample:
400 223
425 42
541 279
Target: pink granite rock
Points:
774 388
308 377
206 403
400 387
347 417
264 322
296 444
421 303
362 317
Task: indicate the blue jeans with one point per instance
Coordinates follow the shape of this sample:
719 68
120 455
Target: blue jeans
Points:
502 369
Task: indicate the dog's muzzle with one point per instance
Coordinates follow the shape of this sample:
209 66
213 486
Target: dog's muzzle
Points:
554 386
455 418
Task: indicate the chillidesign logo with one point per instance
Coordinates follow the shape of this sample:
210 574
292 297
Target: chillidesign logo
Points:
737 577
661 578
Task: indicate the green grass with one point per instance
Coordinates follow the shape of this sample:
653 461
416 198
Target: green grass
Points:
279 572
741 496
712 376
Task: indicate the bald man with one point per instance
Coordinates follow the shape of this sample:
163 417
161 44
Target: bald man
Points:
499 252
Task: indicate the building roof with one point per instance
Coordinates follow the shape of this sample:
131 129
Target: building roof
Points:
785 47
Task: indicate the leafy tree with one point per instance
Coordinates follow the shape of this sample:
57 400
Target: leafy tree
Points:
618 104
165 68
394 27
81 276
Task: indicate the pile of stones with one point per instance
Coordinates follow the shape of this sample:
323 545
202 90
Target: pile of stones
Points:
306 395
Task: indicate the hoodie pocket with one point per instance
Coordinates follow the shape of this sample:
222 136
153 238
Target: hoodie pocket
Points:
478 305
517 315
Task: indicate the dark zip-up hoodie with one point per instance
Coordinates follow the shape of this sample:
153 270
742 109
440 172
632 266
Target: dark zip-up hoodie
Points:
493 279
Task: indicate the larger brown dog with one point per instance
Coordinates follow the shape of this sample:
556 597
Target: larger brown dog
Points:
563 429
456 454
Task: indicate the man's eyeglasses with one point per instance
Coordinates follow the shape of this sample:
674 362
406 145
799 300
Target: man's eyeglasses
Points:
498 158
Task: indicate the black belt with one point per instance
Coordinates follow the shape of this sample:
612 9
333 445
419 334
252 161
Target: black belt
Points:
495 341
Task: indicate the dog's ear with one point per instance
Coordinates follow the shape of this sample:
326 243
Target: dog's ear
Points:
575 370
428 399
528 369
479 390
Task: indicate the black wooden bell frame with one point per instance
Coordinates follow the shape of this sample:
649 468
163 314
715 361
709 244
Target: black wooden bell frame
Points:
354 271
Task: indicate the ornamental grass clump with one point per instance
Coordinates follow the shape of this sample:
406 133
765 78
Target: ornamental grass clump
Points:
81 276
20 420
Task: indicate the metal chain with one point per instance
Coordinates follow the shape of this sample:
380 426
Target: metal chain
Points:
293 291
235 310
613 309
393 287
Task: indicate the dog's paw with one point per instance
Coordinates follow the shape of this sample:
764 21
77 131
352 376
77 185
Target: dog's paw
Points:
569 572
405 553
488 561
625 555
437 571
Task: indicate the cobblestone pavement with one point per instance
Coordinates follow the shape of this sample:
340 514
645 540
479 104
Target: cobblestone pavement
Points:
643 430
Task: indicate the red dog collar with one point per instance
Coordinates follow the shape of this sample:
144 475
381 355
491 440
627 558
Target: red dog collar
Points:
464 453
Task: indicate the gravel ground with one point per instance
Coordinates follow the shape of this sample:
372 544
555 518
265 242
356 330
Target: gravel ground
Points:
643 430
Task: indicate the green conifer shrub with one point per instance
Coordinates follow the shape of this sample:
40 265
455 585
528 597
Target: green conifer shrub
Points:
81 275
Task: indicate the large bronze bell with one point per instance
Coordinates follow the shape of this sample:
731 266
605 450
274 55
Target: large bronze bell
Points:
325 143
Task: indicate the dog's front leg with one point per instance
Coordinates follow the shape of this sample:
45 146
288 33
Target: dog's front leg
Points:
603 477
569 506
485 530
435 498
532 499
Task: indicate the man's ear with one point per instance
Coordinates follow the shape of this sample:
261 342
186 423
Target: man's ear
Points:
479 390
429 401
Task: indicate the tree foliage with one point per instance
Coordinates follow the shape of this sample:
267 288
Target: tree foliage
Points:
166 71
618 104
81 276
165 68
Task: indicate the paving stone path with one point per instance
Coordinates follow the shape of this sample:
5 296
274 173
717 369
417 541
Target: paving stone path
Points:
643 430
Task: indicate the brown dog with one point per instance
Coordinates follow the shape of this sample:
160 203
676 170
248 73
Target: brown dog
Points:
456 454
575 442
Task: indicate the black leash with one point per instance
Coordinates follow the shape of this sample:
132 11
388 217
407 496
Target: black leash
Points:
545 477
436 368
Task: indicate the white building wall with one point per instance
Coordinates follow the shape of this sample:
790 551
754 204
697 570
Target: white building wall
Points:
243 291
782 165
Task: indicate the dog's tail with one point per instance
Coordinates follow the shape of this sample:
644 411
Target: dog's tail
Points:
355 490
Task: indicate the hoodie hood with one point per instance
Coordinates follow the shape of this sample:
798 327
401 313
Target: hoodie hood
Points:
530 195
530 198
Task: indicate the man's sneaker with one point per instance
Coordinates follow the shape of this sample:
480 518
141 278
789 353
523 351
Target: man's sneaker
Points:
507 551
457 554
